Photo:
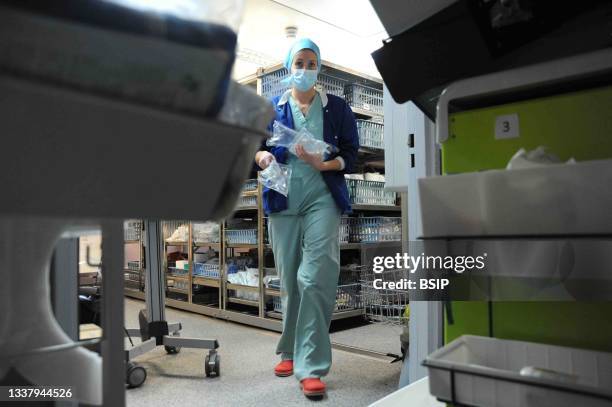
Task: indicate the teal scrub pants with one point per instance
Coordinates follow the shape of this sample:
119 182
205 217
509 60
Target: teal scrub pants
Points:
307 255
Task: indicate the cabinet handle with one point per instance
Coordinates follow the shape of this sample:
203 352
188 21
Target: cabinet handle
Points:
411 140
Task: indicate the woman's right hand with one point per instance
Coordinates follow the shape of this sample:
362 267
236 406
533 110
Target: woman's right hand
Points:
263 159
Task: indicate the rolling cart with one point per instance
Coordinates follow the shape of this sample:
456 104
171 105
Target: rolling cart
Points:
154 330
386 306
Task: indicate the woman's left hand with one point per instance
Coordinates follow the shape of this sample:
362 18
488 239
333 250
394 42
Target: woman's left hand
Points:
313 159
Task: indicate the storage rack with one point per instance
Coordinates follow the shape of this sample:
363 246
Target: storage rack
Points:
259 305
134 274
177 280
214 295
362 92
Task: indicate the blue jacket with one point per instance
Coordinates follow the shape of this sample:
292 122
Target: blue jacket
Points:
339 129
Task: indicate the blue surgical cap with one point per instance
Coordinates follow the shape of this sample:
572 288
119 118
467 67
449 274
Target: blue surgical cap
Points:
303 43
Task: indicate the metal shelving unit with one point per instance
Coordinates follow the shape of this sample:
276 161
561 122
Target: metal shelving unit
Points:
134 279
377 208
226 300
340 81
206 281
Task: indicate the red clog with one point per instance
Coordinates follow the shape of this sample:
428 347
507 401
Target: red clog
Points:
313 387
284 368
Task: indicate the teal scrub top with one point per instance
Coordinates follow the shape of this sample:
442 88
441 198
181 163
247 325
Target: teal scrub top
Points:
307 176
313 121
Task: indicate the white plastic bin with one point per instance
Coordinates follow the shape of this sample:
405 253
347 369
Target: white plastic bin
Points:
559 199
481 371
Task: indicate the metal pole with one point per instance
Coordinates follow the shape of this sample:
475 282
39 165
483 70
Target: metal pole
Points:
113 358
154 280
64 283
65 274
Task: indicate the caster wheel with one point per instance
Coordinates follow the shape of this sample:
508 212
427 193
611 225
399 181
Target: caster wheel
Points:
212 364
172 350
135 375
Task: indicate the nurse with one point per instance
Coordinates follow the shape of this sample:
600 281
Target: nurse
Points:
303 227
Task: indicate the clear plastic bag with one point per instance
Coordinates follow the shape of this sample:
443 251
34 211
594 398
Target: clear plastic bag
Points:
534 158
276 176
285 137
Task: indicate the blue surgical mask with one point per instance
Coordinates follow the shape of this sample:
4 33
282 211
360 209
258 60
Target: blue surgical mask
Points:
303 79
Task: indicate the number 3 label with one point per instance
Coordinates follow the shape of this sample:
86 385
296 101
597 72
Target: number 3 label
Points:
507 126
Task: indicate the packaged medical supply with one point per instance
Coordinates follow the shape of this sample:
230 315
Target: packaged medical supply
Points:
276 176
285 137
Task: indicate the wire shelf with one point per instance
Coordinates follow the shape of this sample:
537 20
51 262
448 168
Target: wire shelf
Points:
241 236
271 84
370 134
344 232
364 97
347 298
250 185
247 201
132 230
384 305
373 229
363 192
206 270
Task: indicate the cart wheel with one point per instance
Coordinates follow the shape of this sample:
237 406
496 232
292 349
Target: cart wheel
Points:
218 366
172 350
135 375
212 364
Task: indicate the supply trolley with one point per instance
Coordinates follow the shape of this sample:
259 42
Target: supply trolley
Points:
384 305
573 333
387 306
